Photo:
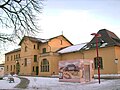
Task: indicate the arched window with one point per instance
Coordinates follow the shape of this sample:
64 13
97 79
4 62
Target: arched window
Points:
44 65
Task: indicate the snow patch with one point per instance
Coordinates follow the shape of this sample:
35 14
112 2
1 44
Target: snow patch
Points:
104 44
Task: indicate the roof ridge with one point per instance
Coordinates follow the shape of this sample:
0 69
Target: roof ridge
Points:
36 37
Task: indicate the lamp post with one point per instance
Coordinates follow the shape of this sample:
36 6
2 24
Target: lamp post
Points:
96 38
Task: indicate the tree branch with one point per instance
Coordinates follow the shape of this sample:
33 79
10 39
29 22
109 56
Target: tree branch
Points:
1 6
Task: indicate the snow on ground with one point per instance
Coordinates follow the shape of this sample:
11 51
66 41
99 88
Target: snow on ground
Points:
45 83
4 84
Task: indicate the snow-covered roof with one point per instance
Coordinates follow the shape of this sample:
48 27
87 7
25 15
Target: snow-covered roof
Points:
72 48
42 40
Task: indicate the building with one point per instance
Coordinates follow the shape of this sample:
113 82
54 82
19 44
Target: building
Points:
36 57
41 56
109 52
12 61
1 70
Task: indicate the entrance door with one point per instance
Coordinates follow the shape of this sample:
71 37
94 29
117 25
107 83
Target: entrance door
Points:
17 68
87 72
37 70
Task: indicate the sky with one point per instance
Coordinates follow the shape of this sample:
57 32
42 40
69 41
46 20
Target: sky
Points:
77 19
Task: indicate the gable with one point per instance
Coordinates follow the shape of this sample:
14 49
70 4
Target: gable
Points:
58 42
107 38
34 39
62 37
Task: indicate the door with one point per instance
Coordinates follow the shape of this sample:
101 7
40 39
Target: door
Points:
37 70
87 72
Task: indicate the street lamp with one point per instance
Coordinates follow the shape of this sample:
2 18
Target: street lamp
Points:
96 38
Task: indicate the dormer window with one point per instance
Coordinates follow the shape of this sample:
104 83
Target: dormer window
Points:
94 44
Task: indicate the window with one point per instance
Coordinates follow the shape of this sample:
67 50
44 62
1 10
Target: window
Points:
25 48
19 55
35 58
34 46
37 45
33 69
25 62
94 44
14 67
11 58
44 50
14 57
96 62
7 58
7 67
44 65
61 42
11 67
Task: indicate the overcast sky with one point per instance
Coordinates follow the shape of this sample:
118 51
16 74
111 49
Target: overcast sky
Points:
79 18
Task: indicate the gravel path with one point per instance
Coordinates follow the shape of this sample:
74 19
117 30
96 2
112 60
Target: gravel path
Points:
23 84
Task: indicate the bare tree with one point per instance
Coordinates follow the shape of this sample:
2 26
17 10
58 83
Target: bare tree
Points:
19 16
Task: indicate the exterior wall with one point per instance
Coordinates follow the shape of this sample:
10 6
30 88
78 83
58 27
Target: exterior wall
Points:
44 45
53 64
58 43
72 56
107 54
53 58
29 49
117 57
29 55
10 62
108 57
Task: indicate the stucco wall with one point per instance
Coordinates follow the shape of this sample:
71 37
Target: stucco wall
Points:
29 55
107 54
11 62
108 57
117 57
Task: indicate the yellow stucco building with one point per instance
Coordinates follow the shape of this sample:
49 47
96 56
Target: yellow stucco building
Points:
41 56
36 56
